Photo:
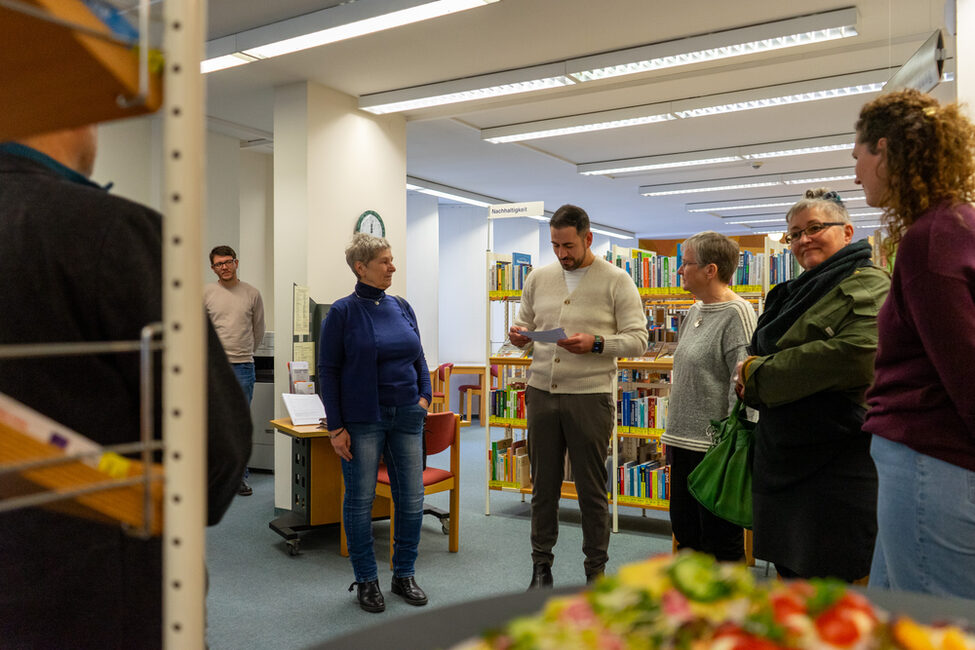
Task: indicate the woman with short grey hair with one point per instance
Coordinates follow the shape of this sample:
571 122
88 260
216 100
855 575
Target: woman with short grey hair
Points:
713 339
376 388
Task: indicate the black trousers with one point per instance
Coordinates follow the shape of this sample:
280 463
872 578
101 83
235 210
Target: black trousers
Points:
694 526
581 425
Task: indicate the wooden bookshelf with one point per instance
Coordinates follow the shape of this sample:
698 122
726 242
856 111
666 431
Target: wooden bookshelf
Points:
55 77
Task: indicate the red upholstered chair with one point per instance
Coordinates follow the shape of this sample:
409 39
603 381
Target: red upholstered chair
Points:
442 430
440 380
467 394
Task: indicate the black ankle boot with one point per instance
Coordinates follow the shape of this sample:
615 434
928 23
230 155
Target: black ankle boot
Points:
409 590
541 577
370 597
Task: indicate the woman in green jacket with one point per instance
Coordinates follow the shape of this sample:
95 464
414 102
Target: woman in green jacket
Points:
814 484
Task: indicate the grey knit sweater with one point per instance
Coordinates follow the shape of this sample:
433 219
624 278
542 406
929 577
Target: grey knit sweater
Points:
712 341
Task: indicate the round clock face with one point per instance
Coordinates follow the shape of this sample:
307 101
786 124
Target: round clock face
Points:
371 223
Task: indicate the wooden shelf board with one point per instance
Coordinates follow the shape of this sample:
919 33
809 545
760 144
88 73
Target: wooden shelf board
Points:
55 78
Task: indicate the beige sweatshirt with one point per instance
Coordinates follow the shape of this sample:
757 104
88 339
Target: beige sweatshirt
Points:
238 316
606 303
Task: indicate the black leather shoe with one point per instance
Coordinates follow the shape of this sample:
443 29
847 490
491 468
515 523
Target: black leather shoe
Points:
409 590
245 489
370 598
541 577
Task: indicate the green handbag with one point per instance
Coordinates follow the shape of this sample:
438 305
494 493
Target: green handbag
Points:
722 481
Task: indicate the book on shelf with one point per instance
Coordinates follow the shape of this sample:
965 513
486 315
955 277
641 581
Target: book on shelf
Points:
508 271
509 350
647 268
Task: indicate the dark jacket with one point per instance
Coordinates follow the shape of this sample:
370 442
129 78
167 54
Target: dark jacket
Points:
347 363
77 264
814 484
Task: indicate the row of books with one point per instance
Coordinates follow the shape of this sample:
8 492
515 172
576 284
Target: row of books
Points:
508 272
749 269
782 267
509 462
634 410
508 402
647 269
647 480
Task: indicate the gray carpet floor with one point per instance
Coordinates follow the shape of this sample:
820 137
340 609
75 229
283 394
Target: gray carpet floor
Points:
262 597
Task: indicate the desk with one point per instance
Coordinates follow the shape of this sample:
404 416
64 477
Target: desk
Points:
479 370
317 486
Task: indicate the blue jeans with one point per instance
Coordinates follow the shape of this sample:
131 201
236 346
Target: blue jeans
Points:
925 523
245 376
398 438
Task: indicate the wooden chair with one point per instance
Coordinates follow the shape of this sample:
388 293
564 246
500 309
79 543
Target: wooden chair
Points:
440 380
442 430
467 392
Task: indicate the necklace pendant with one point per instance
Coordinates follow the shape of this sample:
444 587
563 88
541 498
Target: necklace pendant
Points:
697 323
377 302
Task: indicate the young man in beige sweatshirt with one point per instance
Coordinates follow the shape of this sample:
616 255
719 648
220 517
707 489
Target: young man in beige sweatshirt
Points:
237 313
570 405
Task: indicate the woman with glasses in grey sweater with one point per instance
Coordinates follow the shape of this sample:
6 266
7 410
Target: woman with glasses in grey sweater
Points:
713 339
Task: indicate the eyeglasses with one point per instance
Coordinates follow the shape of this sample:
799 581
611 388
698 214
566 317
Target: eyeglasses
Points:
811 230
219 265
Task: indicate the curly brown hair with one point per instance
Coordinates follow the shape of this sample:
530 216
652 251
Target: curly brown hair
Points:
930 155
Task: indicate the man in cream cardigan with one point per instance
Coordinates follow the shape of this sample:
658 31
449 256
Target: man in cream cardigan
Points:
569 397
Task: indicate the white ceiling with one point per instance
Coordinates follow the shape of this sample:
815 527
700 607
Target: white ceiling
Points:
445 145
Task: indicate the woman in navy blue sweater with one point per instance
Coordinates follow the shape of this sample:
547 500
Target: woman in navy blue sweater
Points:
376 388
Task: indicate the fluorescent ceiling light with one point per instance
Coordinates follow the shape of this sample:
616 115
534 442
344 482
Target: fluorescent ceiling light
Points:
611 232
742 182
784 148
601 120
325 26
739 222
869 225
775 35
449 193
755 204
754 98
462 90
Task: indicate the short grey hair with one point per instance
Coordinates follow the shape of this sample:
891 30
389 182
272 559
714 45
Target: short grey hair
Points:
364 248
821 198
714 248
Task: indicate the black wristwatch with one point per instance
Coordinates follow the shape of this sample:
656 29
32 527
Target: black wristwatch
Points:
597 345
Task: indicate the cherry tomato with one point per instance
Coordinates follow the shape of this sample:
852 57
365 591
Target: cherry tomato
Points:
785 605
836 627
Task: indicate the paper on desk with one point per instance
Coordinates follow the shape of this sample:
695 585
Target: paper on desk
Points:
547 336
304 409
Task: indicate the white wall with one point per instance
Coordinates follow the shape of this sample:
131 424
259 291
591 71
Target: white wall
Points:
423 269
463 283
256 223
130 156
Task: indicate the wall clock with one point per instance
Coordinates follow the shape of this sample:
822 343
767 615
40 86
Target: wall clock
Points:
371 223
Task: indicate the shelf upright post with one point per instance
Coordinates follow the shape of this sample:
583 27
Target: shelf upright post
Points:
487 363
184 378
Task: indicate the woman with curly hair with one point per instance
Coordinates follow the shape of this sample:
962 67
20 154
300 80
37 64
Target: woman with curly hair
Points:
916 160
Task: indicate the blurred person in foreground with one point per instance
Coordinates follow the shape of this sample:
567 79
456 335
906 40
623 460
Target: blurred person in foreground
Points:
79 264
713 340
814 487
916 160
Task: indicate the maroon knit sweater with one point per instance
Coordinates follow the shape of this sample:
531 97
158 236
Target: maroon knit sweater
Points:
923 394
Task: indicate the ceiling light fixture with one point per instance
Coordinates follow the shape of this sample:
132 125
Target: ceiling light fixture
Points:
742 182
765 37
755 204
325 26
783 148
450 193
609 231
742 100
498 84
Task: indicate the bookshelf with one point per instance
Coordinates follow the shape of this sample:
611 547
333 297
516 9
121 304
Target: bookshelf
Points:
83 75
